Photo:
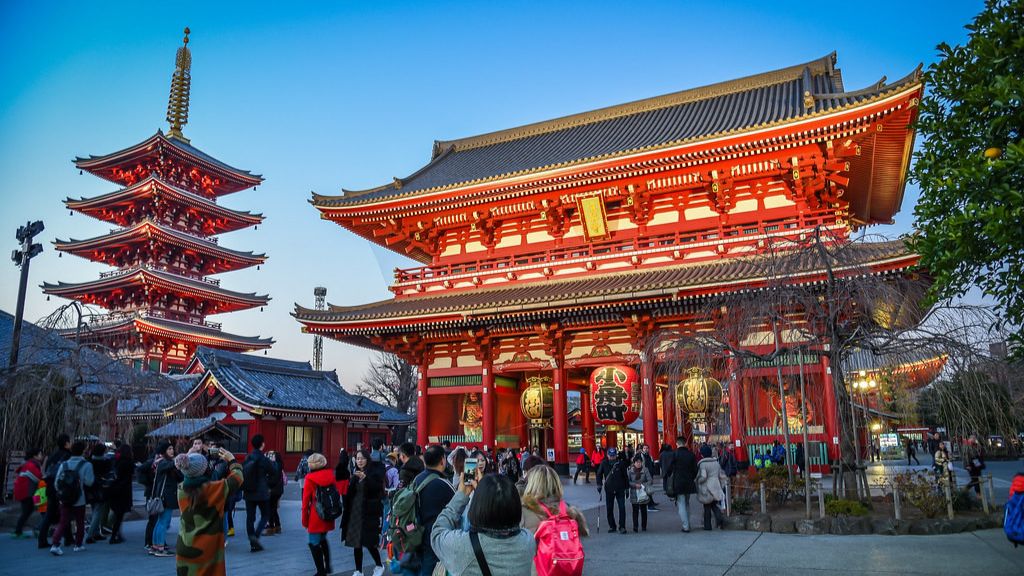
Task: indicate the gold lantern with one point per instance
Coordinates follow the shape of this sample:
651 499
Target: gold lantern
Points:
699 396
537 401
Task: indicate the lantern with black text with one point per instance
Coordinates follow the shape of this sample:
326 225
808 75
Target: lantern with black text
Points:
615 396
537 401
699 396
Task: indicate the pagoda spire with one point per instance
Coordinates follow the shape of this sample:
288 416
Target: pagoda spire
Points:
181 80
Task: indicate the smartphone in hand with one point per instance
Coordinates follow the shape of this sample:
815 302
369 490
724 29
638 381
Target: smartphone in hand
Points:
469 467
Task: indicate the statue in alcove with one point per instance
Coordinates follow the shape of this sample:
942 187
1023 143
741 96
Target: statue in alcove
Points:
472 418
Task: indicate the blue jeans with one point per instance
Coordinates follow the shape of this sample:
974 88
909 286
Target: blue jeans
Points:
163 523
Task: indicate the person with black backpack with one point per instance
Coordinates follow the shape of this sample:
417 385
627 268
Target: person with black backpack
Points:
50 466
73 477
321 506
103 469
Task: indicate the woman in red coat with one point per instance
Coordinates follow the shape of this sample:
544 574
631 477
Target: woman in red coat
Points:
319 475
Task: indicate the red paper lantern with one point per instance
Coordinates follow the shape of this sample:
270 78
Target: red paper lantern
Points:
615 395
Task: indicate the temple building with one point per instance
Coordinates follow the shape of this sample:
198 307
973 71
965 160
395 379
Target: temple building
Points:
294 407
165 248
552 252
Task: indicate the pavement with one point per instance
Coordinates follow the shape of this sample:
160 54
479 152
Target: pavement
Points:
663 549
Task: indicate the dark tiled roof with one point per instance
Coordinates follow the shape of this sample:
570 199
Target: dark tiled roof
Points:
555 294
870 361
181 145
99 373
178 386
284 384
192 428
138 232
208 332
154 276
719 109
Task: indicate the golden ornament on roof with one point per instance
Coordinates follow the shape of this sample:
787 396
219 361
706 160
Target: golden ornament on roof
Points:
699 396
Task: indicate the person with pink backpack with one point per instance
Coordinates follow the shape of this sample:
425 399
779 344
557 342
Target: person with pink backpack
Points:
556 526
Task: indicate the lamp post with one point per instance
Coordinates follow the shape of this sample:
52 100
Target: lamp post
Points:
22 257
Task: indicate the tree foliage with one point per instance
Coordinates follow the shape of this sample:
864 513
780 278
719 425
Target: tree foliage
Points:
971 211
390 381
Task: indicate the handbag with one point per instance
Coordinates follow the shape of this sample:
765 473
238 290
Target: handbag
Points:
155 504
642 497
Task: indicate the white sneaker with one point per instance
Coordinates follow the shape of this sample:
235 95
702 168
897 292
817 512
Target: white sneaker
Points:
378 571
56 551
78 549
357 573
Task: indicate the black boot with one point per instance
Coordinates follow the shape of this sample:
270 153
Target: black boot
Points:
325 549
318 559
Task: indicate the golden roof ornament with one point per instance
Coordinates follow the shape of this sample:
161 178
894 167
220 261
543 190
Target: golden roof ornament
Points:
181 82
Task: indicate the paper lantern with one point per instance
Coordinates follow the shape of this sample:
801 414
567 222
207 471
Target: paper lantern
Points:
699 396
615 395
537 401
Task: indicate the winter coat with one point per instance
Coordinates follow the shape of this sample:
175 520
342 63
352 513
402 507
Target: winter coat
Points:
665 459
165 483
29 475
312 521
101 468
276 479
642 476
433 499
366 498
709 481
511 556
119 495
684 471
257 469
612 473
200 545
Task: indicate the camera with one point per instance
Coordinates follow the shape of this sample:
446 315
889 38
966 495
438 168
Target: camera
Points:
469 468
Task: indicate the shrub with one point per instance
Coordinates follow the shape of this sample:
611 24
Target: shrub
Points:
921 492
964 500
742 505
841 507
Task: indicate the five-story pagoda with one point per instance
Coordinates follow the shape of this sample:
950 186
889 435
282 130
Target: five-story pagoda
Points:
165 247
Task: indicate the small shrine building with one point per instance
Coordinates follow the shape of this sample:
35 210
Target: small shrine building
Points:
557 248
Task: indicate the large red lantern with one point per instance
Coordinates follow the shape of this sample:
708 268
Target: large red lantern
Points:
615 395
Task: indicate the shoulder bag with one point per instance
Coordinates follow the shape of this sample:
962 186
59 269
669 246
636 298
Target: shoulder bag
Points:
155 504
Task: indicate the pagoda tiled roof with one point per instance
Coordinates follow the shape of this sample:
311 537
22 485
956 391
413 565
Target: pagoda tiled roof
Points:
152 403
552 297
286 385
193 428
728 108
145 187
165 234
200 334
142 275
243 178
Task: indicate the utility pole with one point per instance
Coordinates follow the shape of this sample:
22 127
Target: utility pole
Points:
22 257
320 293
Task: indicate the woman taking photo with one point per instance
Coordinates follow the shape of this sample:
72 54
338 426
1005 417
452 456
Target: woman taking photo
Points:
200 549
318 476
366 498
502 544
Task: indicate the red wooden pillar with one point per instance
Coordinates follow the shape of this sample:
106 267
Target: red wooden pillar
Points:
560 405
668 417
831 414
521 427
737 392
421 406
587 423
649 404
489 402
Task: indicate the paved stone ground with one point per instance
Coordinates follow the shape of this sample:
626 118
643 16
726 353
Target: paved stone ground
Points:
663 549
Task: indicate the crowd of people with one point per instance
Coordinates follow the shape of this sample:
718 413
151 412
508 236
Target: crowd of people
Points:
415 510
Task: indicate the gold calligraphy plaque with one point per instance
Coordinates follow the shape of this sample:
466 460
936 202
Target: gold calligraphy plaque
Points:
592 214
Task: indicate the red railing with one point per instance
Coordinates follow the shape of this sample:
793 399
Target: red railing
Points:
604 249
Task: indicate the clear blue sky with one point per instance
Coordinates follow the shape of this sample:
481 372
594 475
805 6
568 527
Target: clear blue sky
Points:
320 96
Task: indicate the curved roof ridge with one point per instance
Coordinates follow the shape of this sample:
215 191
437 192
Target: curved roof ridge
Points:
161 228
153 178
822 65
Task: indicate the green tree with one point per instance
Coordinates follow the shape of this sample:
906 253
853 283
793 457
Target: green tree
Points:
970 166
